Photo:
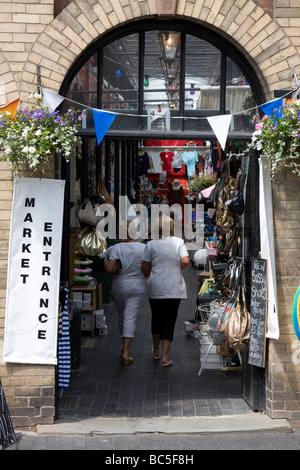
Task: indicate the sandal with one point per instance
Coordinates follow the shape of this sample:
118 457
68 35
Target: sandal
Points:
167 364
154 357
127 360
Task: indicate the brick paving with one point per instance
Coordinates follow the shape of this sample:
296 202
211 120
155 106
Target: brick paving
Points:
104 387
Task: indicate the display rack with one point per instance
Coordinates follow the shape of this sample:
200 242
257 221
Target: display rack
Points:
85 298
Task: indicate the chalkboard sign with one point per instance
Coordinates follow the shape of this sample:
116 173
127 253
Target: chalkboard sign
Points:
258 313
7 434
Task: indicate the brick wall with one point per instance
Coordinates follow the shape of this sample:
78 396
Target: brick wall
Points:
267 32
59 5
283 385
29 390
266 5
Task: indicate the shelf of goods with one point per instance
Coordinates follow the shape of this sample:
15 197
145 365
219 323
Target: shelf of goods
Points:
84 297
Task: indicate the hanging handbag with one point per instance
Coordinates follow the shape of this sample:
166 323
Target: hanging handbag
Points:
237 325
87 243
223 317
87 213
236 204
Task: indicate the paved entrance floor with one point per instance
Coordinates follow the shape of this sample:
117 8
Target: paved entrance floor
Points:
103 387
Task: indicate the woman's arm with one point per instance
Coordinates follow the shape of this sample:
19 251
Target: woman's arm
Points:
185 262
110 266
146 268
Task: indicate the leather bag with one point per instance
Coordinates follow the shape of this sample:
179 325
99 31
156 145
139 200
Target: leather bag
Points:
236 204
87 213
87 243
237 324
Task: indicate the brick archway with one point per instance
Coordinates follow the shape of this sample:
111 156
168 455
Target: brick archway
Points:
249 28
8 86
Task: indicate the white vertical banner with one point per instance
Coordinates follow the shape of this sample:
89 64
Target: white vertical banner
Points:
267 247
33 277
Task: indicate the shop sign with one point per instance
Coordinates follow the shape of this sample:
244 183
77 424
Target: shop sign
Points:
33 276
258 313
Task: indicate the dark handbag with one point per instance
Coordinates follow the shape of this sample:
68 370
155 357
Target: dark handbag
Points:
117 268
236 204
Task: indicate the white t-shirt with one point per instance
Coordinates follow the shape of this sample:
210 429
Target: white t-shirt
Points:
130 280
166 280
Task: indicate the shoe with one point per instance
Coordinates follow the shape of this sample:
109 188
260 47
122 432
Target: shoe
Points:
127 360
154 357
167 364
82 278
84 261
82 271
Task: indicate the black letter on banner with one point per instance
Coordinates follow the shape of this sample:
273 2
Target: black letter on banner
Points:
48 227
29 202
28 217
25 263
47 241
27 232
45 287
43 315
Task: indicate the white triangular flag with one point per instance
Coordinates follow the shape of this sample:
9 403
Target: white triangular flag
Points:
52 100
220 126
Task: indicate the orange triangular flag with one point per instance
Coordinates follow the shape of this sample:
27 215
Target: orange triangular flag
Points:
10 108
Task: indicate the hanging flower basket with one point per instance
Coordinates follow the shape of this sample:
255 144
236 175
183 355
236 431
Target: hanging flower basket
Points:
35 133
279 139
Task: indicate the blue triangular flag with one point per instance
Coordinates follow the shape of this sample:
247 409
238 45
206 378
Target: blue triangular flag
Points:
102 121
273 107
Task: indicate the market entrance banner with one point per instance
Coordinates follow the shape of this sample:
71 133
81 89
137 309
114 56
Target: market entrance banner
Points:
33 277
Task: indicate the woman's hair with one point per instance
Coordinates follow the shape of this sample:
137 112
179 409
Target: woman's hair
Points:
127 230
162 227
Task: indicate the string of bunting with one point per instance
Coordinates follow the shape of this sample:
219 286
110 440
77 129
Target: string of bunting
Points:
103 119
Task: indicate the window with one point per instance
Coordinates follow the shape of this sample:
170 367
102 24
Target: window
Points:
164 80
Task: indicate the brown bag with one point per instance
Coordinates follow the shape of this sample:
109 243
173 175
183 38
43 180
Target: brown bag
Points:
237 326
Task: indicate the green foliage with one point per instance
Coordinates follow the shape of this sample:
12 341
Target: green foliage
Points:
198 183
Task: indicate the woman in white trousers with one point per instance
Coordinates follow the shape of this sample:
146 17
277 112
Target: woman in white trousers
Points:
128 287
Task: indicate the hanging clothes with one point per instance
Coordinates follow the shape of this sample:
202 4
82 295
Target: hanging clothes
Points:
191 159
143 164
64 348
154 158
167 157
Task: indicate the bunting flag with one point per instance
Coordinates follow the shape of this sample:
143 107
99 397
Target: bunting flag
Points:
273 107
10 108
51 100
102 121
220 126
